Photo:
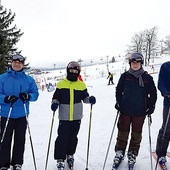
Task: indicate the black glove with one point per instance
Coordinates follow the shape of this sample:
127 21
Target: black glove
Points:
10 99
92 99
54 105
150 110
117 106
167 97
24 96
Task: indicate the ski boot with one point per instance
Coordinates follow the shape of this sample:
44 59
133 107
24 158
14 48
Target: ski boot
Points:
70 161
60 164
117 160
131 159
162 163
17 167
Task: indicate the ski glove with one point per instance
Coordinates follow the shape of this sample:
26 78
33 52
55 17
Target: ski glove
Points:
150 110
167 97
92 99
10 99
117 106
54 105
24 96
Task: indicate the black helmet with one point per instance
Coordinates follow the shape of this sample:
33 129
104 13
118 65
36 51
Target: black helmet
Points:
18 57
138 57
74 65
73 76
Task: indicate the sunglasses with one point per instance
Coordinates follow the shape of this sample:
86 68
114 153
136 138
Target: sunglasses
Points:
20 58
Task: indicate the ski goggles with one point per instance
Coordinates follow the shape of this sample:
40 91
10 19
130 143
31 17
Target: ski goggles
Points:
136 59
73 71
18 57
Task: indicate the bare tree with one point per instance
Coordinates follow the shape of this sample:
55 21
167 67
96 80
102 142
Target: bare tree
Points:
137 42
167 43
151 45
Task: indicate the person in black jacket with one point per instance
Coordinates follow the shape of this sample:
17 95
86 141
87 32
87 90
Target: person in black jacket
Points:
110 77
136 96
69 96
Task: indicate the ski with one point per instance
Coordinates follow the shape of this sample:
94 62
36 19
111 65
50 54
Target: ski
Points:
160 166
116 166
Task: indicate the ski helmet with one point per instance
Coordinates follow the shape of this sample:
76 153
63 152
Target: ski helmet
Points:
73 65
18 57
138 57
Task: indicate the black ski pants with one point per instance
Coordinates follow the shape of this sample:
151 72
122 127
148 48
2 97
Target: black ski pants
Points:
14 135
67 140
110 81
163 141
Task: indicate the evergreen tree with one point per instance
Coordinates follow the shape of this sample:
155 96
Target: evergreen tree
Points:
9 36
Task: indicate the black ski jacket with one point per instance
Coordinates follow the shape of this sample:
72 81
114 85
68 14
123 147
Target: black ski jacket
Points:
134 100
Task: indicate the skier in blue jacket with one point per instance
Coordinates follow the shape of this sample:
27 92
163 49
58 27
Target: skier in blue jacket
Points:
17 89
164 132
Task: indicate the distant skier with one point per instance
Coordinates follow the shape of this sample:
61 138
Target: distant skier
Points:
50 87
110 77
136 96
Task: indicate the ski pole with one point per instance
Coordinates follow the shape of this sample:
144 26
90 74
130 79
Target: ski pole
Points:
89 137
49 140
6 125
29 132
165 128
110 140
149 129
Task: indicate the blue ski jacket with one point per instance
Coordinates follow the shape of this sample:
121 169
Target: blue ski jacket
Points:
13 83
164 82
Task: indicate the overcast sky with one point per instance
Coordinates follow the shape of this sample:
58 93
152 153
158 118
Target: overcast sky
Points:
65 30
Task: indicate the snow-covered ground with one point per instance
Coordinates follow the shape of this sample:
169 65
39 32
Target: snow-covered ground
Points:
103 118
